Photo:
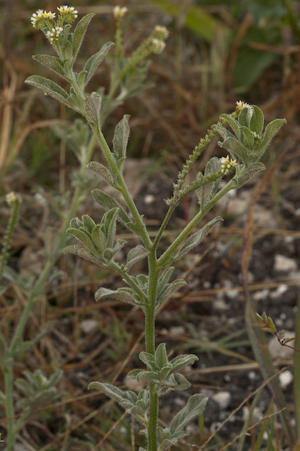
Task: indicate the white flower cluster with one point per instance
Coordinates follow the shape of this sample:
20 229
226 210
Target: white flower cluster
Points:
11 198
64 10
37 18
53 35
161 32
119 12
240 105
158 46
227 164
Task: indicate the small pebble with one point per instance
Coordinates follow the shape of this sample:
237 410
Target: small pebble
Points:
261 295
149 199
223 398
285 378
279 291
284 264
88 325
177 330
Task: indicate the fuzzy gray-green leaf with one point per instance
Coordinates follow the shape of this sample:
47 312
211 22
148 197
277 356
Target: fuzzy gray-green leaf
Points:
118 295
197 237
109 390
101 170
182 360
257 120
107 202
233 124
79 34
247 137
121 135
49 87
52 63
193 408
81 236
161 357
271 130
236 149
169 290
135 255
95 60
92 107
81 251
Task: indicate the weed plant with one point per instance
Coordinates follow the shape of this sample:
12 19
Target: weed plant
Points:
245 144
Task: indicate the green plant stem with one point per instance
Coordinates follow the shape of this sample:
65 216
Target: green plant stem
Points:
150 347
123 188
164 259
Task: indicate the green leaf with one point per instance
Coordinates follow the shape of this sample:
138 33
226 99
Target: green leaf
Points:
197 237
135 255
121 294
245 117
50 88
53 63
233 124
257 120
88 222
148 376
95 60
81 251
169 290
109 222
80 79
236 149
146 357
204 192
247 137
193 408
182 360
92 106
2 398
108 389
107 202
99 238
248 173
111 252
79 35
81 236
164 279
102 171
121 135
161 357
271 130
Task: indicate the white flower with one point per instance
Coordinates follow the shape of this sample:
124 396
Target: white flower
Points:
227 164
158 46
119 12
11 198
241 105
37 18
161 32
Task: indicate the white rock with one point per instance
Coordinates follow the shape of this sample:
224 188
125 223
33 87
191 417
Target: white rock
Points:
177 330
285 378
88 325
284 264
261 295
223 398
149 198
279 291
281 352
